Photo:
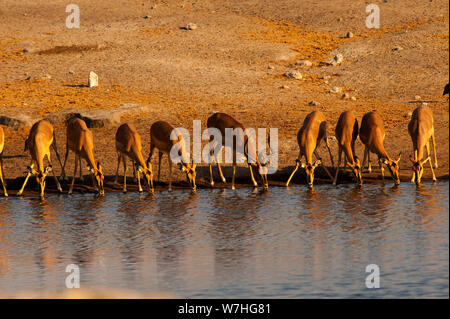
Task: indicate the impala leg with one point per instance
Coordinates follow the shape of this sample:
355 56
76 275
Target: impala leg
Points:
380 162
170 173
253 177
74 174
124 160
434 151
139 180
431 165
1 177
297 164
81 174
234 173
26 179
324 167
116 179
339 163
54 175
211 180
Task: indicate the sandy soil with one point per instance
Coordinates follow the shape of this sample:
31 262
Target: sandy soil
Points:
233 62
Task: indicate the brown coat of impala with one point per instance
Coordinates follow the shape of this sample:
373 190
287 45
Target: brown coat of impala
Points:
421 129
160 133
309 138
38 143
2 144
346 133
372 135
128 144
81 141
222 121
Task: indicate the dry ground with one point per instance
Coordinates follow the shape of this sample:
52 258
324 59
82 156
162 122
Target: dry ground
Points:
143 56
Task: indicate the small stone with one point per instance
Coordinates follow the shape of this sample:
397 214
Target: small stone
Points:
339 19
424 103
353 98
326 77
326 81
336 60
349 35
293 74
26 50
271 67
146 17
285 87
71 72
345 96
314 103
336 89
191 26
409 114
93 79
304 63
397 48
417 97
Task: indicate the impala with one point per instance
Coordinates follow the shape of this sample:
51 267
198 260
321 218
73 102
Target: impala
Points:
80 141
2 144
160 133
346 133
420 129
372 135
128 144
309 138
38 143
222 121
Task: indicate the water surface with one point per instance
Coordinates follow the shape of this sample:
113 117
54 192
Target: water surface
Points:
284 243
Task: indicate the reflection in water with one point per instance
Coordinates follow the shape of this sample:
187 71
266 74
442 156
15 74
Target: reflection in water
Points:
293 242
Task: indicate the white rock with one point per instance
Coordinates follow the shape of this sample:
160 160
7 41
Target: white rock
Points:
409 114
93 79
336 60
336 89
424 103
417 97
293 74
285 87
314 103
191 26
353 98
345 96
271 67
304 63
349 35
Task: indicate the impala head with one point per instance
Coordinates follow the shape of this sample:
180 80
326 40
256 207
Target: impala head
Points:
418 168
393 167
356 169
148 173
99 177
190 172
309 168
40 178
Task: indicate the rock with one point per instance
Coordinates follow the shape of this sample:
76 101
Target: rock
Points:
93 79
397 48
190 26
285 87
271 67
349 35
16 121
336 60
417 97
339 19
326 77
304 63
146 17
293 74
71 72
345 96
314 103
409 114
326 81
336 89
353 98
424 103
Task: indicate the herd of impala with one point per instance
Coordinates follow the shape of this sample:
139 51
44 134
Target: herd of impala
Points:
310 136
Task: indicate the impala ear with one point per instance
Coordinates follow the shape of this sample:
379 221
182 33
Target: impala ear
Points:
48 169
385 162
398 157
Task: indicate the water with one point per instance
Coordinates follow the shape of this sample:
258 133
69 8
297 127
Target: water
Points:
284 243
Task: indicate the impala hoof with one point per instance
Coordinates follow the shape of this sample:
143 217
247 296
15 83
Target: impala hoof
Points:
212 184
224 180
